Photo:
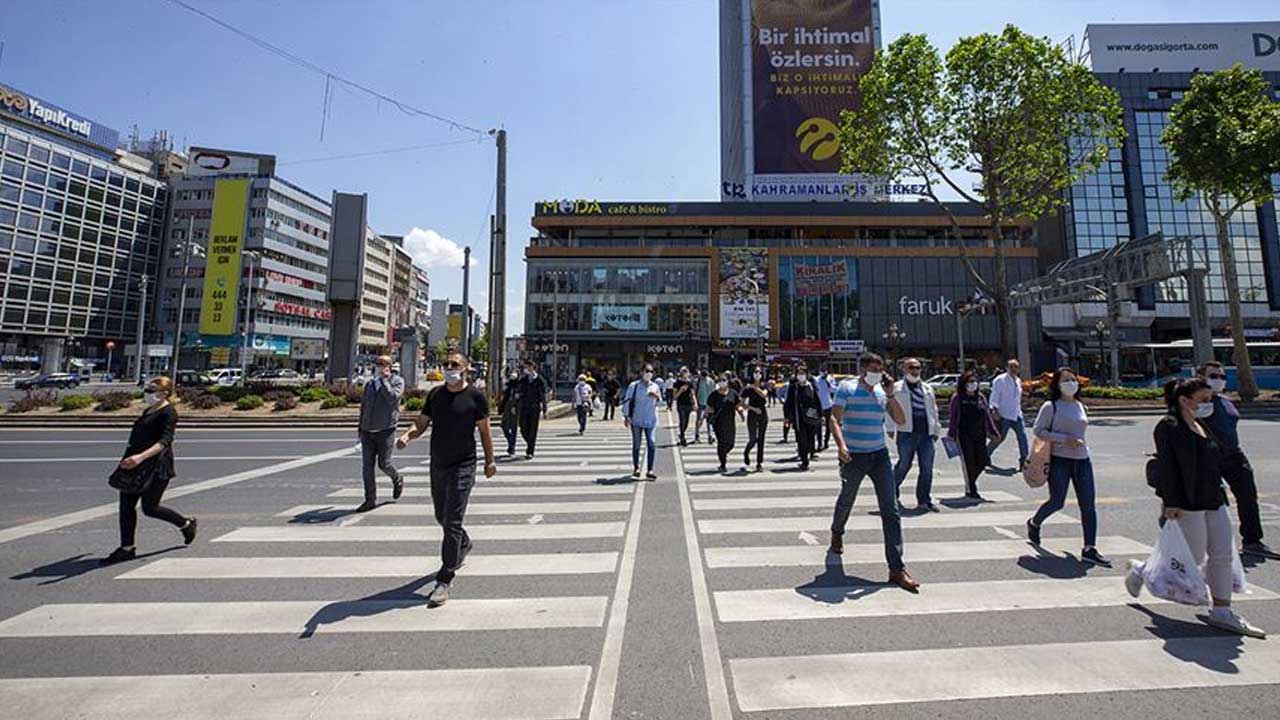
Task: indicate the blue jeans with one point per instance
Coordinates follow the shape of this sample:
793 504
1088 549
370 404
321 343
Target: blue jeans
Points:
1019 431
877 465
912 446
1078 473
636 432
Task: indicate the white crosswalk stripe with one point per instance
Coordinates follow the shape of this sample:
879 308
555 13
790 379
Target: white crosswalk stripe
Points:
420 533
585 487
869 522
482 508
809 501
949 551
364 566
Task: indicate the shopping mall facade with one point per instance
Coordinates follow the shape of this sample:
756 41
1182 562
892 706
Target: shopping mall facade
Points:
709 284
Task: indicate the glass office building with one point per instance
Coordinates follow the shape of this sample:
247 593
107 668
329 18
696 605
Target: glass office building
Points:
81 223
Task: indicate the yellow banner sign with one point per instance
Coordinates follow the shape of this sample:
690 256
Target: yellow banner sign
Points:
222 266
455 327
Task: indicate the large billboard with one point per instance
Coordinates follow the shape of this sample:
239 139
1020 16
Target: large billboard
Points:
1183 47
801 64
47 115
222 268
744 292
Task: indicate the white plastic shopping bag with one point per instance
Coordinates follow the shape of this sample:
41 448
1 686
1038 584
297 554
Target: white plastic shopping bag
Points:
1171 572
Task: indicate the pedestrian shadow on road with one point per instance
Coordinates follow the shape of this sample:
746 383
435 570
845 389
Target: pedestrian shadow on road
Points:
77 565
619 480
1218 653
964 502
398 598
1002 471
833 586
1110 422
1059 567
319 516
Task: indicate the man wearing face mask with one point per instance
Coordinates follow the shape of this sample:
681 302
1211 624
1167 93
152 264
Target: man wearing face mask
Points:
826 388
533 405
916 436
859 412
1006 402
683 393
640 415
612 389
803 410
702 387
379 414
508 409
1235 466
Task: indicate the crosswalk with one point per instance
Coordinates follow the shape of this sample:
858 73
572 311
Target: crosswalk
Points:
762 560
564 514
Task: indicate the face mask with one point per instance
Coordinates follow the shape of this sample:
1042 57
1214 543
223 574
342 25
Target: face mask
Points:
1204 410
913 377
722 385
152 398
514 377
648 377
759 376
533 375
1068 388
1217 385
873 378
452 376
684 376
801 377
971 388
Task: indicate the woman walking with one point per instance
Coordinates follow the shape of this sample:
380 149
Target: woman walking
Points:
509 410
755 399
145 470
721 406
970 427
582 399
1189 482
1063 422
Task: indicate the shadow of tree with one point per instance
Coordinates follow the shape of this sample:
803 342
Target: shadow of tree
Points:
77 565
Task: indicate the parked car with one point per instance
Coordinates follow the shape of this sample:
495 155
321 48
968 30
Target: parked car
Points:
48 380
190 378
279 376
949 380
225 376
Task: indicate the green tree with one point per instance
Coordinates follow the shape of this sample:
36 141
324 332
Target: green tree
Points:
480 347
1224 146
442 349
1011 108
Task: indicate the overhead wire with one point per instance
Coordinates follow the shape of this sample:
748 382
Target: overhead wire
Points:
388 151
404 107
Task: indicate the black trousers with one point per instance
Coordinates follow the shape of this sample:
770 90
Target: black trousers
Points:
450 491
1238 473
151 507
509 430
806 439
529 420
610 408
757 426
583 411
974 452
683 412
375 449
826 428
726 436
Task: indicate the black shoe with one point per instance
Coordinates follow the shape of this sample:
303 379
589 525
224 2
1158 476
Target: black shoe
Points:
1033 533
117 556
804 465
189 532
723 469
1259 549
759 467
928 506
975 496
366 506
397 488
1092 555
651 476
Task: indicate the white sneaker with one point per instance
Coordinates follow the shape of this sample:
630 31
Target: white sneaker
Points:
439 595
1227 619
1133 578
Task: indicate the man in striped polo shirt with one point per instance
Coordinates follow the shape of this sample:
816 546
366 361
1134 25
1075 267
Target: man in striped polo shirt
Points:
857 421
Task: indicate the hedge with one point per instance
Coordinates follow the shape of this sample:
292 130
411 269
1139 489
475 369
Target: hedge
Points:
333 402
34 399
1122 393
75 402
250 402
286 402
315 394
109 400
414 404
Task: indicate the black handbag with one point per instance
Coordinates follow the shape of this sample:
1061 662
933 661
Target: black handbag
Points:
134 481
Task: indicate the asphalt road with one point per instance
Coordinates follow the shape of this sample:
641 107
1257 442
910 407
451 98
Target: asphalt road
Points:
590 596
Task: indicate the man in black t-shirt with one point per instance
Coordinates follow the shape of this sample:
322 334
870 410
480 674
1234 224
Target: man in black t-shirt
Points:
456 410
686 400
533 405
612 393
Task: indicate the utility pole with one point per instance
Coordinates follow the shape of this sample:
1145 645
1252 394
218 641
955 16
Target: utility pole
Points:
555 332
250 256
188 248
466 302
498 269
142 321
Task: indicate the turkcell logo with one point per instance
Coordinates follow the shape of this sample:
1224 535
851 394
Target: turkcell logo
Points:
1264 44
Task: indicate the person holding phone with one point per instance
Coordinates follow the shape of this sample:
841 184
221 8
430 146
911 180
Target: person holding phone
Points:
640 415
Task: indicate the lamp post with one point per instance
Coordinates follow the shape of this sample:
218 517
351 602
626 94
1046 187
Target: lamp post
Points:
250 256
555 331
1101 331
142 321
965 308
892 336
188 248
760 329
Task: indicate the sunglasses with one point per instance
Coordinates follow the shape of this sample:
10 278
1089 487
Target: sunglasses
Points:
1216 376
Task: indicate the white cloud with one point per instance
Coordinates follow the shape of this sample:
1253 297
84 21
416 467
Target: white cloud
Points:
430 249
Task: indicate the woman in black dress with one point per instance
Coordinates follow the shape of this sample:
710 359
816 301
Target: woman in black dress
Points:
150 456
722 405
755 400
971 426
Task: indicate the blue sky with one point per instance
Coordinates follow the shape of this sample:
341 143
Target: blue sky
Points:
601 99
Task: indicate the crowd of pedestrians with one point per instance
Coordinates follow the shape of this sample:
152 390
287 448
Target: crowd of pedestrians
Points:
1198 457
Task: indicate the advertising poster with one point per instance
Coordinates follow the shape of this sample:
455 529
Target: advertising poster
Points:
807 58
1184 47
744 292
455 327
620 317
825 279
222 266
307 348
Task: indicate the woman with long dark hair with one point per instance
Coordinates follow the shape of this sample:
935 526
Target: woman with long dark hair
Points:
1188 476
145 470
971 427
1063 421
755 400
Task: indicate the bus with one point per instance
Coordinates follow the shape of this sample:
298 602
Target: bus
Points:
1176 359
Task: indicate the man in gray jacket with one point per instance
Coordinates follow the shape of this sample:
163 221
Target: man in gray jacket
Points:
379 414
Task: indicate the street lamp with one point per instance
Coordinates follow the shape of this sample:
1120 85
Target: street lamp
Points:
892 336
965 308
760 328
1101 331
142 321
188 248
250 257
